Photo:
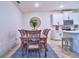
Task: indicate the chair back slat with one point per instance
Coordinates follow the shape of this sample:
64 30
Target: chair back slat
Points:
33 36
22 32
45 32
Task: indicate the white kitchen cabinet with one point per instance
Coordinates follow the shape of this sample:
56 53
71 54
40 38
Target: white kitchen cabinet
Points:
76 18
56 34
57 18
67 14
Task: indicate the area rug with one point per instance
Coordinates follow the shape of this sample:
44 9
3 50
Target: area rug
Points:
50 54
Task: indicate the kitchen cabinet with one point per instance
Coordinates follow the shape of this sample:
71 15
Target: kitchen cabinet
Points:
56 33
57 18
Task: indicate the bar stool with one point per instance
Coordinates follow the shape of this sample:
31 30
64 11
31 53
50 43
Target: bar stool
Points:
66 40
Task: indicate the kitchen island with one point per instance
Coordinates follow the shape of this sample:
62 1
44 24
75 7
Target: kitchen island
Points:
75 40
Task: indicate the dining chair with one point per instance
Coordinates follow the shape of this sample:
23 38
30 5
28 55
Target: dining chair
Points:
43 40
45 32
33 41
23 40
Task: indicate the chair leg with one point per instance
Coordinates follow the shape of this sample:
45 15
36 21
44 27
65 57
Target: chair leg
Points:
39 53
27 54
22 50
67 44
45 46
45 54
62 43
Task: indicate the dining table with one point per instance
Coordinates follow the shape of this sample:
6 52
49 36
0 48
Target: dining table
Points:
42 40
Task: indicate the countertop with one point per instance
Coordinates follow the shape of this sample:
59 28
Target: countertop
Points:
71 31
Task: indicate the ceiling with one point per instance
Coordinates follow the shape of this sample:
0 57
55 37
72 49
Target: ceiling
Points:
29 6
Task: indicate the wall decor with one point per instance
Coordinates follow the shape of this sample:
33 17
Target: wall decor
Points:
35 22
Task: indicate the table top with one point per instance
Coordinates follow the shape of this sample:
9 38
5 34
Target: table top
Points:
42 36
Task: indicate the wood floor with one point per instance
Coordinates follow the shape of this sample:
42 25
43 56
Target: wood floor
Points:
55 45
62 53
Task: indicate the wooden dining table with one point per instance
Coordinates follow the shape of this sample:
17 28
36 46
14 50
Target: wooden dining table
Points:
42 40
42 36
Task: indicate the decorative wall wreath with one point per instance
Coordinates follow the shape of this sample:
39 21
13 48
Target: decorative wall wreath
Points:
35 22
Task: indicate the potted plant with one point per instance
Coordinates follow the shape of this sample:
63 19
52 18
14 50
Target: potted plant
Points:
33 23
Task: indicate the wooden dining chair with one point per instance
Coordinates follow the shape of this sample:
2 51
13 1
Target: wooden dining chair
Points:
43 40
33 41
23 40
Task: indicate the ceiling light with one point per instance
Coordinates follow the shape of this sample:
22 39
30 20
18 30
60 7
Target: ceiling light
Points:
61 6
36 4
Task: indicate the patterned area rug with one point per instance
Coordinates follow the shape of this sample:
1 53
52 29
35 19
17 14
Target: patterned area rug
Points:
32 54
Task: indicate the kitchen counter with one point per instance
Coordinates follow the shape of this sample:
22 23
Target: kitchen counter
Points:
71 31
75 40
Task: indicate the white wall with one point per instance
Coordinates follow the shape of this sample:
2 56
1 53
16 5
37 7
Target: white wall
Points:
10 21
44 17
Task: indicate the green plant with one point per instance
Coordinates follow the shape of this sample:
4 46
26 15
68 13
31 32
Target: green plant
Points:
33 23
